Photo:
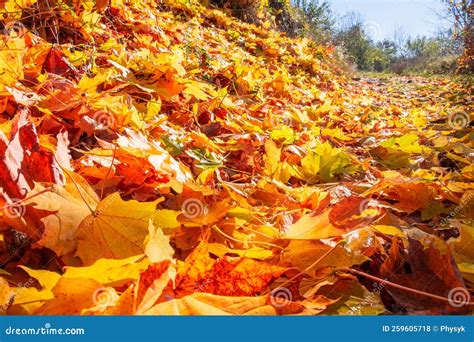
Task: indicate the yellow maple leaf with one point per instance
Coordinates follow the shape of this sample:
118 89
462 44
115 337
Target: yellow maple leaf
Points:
116 229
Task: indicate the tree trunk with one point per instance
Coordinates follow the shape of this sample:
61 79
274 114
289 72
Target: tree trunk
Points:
467 59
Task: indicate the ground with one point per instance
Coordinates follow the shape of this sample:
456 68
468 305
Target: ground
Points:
173 160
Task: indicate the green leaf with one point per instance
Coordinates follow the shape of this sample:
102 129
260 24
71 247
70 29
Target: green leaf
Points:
285 134
325 163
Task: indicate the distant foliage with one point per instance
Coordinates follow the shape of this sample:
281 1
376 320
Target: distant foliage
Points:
449 51
350 34
462 14
318 19
247 10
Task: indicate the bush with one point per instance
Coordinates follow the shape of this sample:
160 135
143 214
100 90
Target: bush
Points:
315 19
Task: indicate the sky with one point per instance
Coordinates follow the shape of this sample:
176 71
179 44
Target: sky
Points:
383 17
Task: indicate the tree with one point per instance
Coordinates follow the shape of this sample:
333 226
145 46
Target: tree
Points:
400 39
462 13
318 18
355 41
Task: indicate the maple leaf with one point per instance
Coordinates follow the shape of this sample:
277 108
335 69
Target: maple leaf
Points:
351 298
151 284
313 227
66 207
27 298
431 270
354 211
309 256
463 252
238 277
6 295
110 272
56 63
71 297
203 166
22 158
324 163
157 246
116 229
409 195
11 57
196 264
209 304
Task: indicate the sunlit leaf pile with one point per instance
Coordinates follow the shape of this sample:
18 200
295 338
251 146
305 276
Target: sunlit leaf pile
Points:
162 157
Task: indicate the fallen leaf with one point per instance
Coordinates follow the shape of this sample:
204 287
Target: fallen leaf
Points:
110 272
209 304
116 229
157 245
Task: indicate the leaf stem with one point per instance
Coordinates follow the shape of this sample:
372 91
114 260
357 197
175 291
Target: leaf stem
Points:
108 173
75 184
398 286
243 242
329 251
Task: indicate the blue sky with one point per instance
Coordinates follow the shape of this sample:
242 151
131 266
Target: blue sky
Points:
383 17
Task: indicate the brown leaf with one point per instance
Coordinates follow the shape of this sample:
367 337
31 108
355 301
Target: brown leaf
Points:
305 253
354 211
424 268
56 63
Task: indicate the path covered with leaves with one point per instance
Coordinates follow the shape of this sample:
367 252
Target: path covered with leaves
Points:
168 159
